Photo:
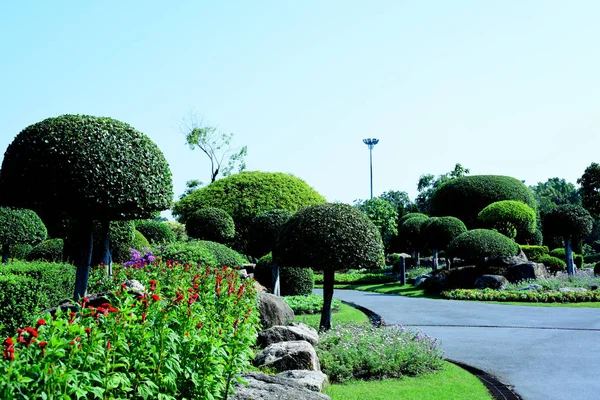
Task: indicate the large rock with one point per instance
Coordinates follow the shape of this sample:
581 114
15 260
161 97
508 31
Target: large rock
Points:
421 279
273 387
273 311
491 281
526 271
285 356
313 380
279 333
499 265
531 287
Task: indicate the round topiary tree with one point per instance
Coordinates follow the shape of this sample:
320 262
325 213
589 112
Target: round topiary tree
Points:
263 231
329 237
465 197
211 223
509 217
49 250
411 231
567 221
19 226
439 232
156 232
247 194
225 256
86 169
478 244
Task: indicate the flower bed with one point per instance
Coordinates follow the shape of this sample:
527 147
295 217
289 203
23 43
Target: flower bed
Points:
522 295
357 278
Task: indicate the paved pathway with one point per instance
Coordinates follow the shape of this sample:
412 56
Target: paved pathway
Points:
545 353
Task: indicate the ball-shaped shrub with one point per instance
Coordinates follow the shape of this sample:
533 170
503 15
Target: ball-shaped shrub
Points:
440 231
533 253
20 226
155 231
121 251
178 230
568 220
412 229
20 251
480 243
192 252
225 256
534 238
410 215
509 217
554 264
263 231
210 223
49 250
292 281
465 197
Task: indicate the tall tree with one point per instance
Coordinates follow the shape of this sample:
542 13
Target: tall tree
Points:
590 189
428 184
383 215
554 192
216 145
400 201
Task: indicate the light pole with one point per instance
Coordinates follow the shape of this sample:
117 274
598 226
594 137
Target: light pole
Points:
371 143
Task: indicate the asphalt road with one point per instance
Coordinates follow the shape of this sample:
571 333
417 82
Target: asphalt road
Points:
544 353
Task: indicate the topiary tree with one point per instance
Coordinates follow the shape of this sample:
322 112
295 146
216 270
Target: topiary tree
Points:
478 244
383 215
225 256
246 195
19 226
263 231
411 231
568 221
49 250
86 169
178 230
155 231
329 237
509 217
439 232
210 223
465 197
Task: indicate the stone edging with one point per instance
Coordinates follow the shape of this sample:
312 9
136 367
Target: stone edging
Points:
497 389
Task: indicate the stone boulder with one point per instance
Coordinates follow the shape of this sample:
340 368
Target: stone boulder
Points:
499 265
533 286
285 356
526 271
273 387
94 300
135 286
279 333
421 279
313 380
273 311
491 281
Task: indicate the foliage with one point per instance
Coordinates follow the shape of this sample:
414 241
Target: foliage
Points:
481 243
330 236
554 264
309 304
578 259
178 230
225 256
156 232
20 251
263 231
383 215
292 281
400 201
522 295
568 220
530 238
122 250
590 189
509 217
412 229
408 216
559 281
559 252
355 278
210 223
465 197
20 226
554 192
597 269
192 252
440 231
533 253
185 337
353 351
428 186
49 250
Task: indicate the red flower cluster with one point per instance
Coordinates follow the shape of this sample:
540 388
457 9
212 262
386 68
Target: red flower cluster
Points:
9 349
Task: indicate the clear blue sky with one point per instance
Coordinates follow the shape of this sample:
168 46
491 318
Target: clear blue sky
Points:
502 87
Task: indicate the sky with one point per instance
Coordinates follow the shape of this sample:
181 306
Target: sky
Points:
501 87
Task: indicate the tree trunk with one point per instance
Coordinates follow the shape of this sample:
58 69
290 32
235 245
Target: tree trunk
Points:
448 262
402 263
569 254
328 279
106 257
275 280
417 258
83 258
5 253
435 259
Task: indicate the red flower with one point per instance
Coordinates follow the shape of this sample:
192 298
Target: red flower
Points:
143 318
41 322
9 342
88 331
33 332
43 346
108 346
155 297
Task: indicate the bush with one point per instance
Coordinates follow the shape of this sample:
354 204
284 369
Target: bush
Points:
178 230
49 251
534 238
20 251
509 217
263 231
225 256
155 231
212 224
309 304
466 196
292 281
19 226
597 269
411 231
439 232
534 252
408 216
559 253
554 264
383 214
121 251
187 253
478 244
521 295
357 278
578 260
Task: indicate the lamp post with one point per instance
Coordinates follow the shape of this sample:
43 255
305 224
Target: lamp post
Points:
371 143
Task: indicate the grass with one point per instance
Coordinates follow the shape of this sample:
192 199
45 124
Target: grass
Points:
345 314
451 383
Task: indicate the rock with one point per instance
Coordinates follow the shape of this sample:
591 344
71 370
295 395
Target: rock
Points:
279 333
243 274
420 279
500 264
94 300
572 290
427 262
533 286
526 271
135 286
491 281
273 311
284 356
273 387
249 268
313 380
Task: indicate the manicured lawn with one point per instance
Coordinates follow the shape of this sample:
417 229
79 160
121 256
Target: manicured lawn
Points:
345 314
451 383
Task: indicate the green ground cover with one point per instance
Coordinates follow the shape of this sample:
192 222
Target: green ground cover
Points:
345 314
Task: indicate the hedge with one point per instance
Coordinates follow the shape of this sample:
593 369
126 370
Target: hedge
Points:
554 264
534 252
49 251
155 231
186 253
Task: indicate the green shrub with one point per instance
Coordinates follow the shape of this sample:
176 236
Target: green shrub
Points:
212 224
534 238
21 298
559 253
155 231
186 253
292 281
597 269
263 231
357 278
19 226
554 264
440 231
20 251
178 230
383 214
480 243
578 260
309 304
591 258
121 251
49 251
225 256
411 231
509 217
409 216
521 295
534 252
466 196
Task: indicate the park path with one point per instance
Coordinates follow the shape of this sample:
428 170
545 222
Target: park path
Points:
544 353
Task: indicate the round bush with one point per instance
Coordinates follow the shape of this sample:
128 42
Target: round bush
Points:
480 243
186 253
559 253
412 229
554 264
292 281
20 251
465 197
440 231
121 251
20 226
178 230
155 231
534 238
225 256
49 251
533 253
509 217
568 220
410 215
210 223
263 231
